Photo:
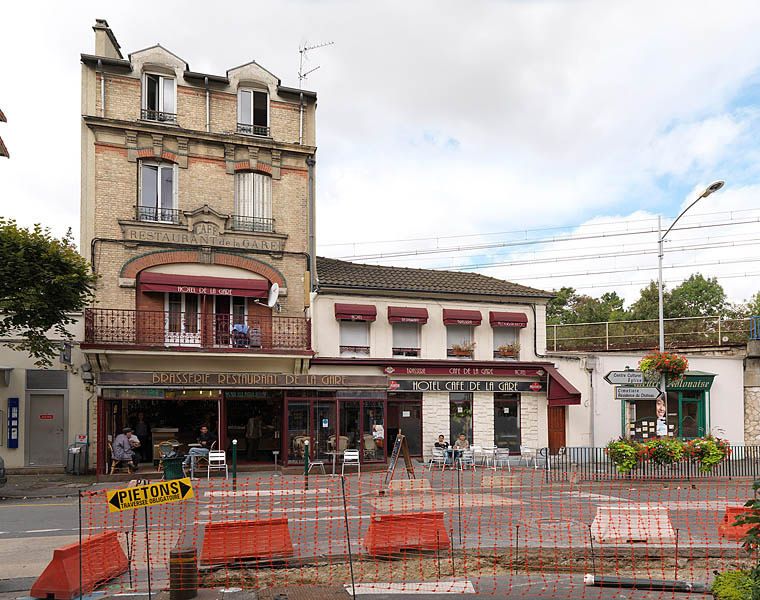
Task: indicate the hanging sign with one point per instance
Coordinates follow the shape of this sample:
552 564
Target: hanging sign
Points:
636 393
625 377
152 494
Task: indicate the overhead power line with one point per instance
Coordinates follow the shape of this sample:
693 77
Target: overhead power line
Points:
611 284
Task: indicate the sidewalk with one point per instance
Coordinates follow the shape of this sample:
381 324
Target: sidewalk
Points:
45 485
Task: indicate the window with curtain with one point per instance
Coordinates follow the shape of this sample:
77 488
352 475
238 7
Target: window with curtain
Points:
406 339
459 340
354 338
157 193
253 202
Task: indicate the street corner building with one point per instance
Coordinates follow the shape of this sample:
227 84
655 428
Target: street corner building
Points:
197 200
463 354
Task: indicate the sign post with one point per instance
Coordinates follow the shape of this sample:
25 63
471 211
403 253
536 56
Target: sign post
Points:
626 377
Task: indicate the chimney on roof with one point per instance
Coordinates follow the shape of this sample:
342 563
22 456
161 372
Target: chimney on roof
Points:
105 41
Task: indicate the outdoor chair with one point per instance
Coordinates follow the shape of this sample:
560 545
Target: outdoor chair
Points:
317 463
351 458
466 459
488 455
501 458
369 446
217 461
529 454
437 458
117 466
477 454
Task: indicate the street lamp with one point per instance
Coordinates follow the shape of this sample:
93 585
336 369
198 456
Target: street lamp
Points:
713 187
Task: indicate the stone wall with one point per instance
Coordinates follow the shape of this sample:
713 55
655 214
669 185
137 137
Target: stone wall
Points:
752 394
435 419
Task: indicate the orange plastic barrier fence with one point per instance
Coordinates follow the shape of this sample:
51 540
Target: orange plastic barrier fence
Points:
230 542
394 533
102 560
727 529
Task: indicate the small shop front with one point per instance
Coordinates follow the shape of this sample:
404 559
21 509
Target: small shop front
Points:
686 414
267 413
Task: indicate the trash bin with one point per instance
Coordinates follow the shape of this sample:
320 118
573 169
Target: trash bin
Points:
76 459
173 468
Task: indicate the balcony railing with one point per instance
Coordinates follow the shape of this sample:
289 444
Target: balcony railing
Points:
255 224
406 351
148 114
158 215
162 330
688 332
354 351
248 129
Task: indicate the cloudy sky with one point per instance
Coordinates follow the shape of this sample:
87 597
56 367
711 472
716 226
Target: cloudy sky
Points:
476 135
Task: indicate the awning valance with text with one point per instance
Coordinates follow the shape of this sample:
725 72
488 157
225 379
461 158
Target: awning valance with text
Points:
453 316
561 392
355 312
508 319
407 314
195 284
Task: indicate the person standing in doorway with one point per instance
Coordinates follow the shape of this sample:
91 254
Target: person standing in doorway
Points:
142 431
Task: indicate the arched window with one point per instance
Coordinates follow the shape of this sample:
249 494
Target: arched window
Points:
253 202
158 192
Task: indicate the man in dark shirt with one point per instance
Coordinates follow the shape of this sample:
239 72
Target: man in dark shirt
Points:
441 443
206 439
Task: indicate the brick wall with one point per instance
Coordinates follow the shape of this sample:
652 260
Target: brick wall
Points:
435 419
482 417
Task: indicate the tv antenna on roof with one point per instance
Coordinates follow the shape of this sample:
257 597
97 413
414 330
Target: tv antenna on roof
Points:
302 50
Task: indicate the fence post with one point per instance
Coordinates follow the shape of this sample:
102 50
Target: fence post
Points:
720 335
555 337
234 465
306 464
607 335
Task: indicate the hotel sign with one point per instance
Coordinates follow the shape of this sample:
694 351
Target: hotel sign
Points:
193 379
465 371
464 385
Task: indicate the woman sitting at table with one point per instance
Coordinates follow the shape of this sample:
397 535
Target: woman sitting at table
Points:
441 443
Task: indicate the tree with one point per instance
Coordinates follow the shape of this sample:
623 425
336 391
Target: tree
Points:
557 309
43 280
697 297
646 307
753 306
569 307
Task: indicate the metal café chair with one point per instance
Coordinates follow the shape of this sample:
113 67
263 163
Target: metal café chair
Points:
438 457
351 458
501 458
529 454
466 459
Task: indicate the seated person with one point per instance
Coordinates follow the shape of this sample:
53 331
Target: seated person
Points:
122 448
461 443
378 435
441 443
206 440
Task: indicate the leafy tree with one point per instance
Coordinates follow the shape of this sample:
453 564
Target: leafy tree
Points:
569 307
646 307
753 306
697 297
43 280
557 309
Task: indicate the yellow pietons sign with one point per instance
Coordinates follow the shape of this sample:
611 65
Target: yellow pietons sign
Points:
152 494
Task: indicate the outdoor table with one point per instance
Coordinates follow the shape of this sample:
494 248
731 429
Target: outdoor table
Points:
334 455
451 455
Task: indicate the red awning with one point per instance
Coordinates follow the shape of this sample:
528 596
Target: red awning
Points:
195 284
407 314
355 312
561 392
453 316
508 319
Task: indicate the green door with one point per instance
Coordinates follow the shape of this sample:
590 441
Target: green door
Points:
691 414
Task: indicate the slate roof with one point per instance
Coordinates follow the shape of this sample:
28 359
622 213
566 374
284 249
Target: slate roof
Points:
333 273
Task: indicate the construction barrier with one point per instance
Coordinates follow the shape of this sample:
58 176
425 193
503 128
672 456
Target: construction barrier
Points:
503 532
102 560
238 541
393 534
729 529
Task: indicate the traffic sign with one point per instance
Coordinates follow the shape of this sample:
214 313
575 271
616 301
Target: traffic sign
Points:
636 393
624 377
152 494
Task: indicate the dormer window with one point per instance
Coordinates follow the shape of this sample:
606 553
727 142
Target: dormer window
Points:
159 93
253 112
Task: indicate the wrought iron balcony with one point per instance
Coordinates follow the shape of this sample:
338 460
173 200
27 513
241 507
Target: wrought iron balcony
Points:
248 129
256 224
208 332
148 114
406 351
158 214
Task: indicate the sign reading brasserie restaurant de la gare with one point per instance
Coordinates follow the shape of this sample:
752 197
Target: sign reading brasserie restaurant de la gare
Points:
236 379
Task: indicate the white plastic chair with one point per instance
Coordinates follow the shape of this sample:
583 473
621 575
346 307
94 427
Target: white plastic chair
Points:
477 454
529 454
501 458
466 459
217 461
351 458
488 455
437 458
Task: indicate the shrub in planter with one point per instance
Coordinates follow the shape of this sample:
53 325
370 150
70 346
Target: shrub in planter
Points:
624 454
707 451
665 451
664 363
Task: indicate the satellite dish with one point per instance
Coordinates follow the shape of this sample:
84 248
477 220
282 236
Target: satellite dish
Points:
274 293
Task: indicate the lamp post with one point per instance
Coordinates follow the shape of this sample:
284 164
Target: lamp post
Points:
713 187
